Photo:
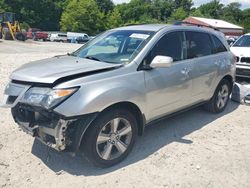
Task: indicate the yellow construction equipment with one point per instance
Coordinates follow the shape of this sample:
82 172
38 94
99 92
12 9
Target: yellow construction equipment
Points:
10 27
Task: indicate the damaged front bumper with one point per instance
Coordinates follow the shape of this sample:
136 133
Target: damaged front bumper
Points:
48 127
51 128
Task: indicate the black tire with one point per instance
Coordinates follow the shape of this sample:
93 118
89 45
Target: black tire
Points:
7 35
20 36
89 142
212 105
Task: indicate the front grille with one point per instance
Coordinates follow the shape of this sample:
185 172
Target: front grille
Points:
237 59
245 59
35 115
243 72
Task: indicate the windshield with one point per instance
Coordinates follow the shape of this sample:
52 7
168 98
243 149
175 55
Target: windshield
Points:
243 41
117 46
9 17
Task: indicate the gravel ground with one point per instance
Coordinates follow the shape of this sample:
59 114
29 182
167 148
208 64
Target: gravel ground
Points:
194 149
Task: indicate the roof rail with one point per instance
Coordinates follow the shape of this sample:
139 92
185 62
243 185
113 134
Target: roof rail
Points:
132 24
193 24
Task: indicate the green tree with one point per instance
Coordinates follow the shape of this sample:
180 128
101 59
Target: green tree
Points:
232 12
179 14
44 14
184 4
135 11
105 6
3 6
245 19
114 19
162 10
212 9
196 12
83 16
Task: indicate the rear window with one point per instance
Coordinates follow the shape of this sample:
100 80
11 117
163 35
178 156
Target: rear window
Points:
198 44
218 45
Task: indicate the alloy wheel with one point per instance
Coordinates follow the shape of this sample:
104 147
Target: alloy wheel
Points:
222 97
114 139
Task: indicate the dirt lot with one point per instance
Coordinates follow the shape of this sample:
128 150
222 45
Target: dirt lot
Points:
194 149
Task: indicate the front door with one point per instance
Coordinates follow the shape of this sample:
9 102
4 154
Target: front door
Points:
168 89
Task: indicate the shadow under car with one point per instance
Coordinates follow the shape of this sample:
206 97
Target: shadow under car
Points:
154 138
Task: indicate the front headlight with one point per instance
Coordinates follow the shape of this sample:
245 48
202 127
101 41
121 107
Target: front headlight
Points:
46 97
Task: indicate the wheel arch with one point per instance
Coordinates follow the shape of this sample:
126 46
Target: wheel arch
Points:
230 79
140 118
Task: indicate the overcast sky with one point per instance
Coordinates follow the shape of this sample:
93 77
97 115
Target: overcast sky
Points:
245 3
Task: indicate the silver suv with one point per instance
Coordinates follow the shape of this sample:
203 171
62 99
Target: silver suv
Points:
97 99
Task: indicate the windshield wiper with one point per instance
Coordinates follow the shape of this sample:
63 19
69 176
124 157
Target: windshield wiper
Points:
92 58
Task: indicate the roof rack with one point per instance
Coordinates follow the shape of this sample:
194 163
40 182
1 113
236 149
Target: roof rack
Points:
193 24
134 24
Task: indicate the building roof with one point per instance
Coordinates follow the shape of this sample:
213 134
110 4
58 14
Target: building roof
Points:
217 23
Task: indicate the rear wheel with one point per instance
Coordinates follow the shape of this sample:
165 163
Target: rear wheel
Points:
110 138
20 36
6 34
220 98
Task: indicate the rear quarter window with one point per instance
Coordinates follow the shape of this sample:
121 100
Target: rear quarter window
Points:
218 45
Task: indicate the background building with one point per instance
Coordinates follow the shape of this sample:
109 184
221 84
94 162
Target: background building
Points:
227 28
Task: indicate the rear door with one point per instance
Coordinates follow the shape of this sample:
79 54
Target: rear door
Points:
168 89
200 51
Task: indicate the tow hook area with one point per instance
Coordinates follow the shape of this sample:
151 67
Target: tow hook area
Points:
53 137
46 126
47 135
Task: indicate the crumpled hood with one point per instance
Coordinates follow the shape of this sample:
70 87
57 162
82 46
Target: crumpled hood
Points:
241 51
52 69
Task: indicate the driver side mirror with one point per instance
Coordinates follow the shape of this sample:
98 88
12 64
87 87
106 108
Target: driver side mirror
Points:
161 62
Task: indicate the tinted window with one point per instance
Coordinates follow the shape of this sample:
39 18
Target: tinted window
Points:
218 46
198 44
170 45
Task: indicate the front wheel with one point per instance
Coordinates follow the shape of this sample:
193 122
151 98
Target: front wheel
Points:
219 101
110 138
